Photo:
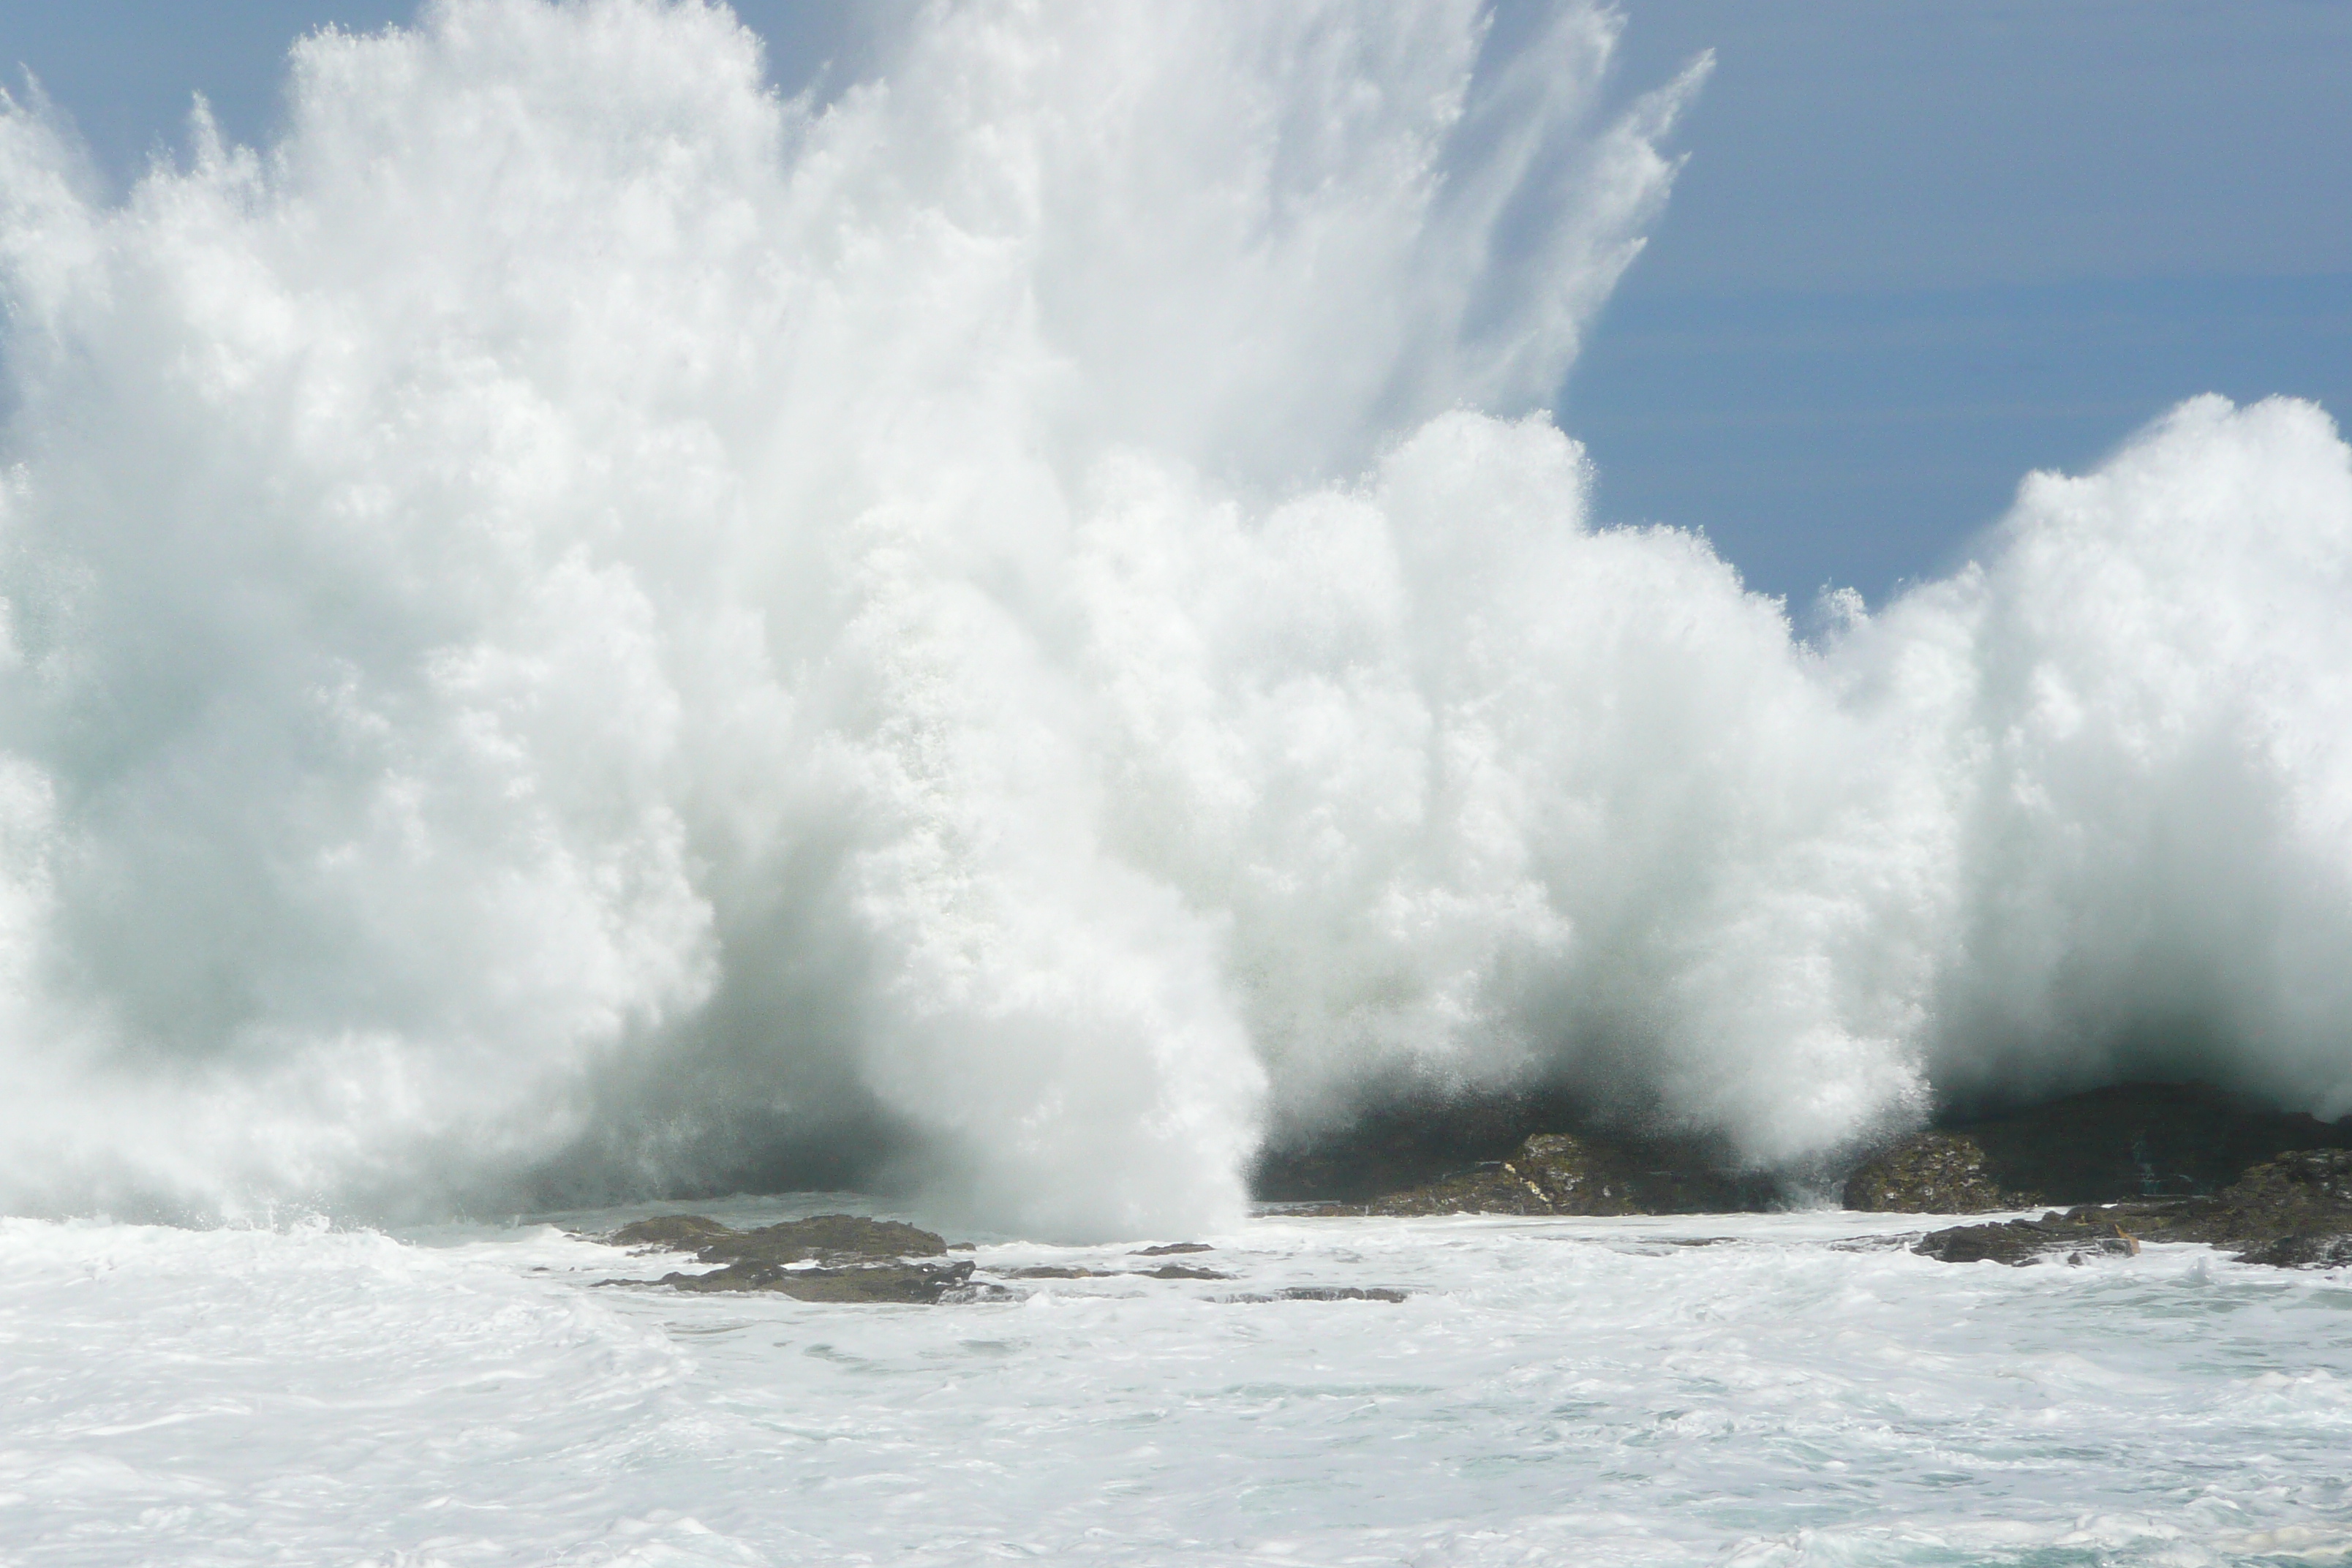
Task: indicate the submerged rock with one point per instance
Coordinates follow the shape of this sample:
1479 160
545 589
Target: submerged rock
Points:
1932 1173
2293 1212
825 1237
856 1258
1058 1271
1179 1271
870 1282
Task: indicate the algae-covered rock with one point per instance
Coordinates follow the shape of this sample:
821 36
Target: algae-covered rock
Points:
2293 1212
1932 1173
677 1232
914 1283
2305 1192
1562 1173
1178 1271
1057 1271
858 1259
827 1236
2315 1251
2137 1141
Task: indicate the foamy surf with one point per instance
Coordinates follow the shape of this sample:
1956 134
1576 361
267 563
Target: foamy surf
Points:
1773 1389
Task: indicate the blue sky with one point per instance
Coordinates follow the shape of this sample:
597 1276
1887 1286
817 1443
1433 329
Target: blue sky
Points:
1919 248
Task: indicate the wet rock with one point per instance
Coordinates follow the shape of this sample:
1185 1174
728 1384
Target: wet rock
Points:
825 1237
2294 1210
858 1259
2129 1142
1171 1248
1409 1140
1562 1173
1179 1271
828 1238
2304 1251
2079 1233
915 1283
1056 1271
675 1232
1932 1173
1322 1293
2305 1193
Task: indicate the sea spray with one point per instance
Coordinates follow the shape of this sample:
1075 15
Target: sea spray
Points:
577 628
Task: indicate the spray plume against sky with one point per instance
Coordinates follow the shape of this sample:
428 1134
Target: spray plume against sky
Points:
575 625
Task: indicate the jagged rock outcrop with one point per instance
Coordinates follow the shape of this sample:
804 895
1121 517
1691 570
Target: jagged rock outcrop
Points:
1562 1173
672 1232
2125 1143
2295 1212
2143 1140
2302 1252
1932 1173
2075 1234
2298 1207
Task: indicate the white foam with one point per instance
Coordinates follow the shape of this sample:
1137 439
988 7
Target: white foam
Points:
1548 1391
573 625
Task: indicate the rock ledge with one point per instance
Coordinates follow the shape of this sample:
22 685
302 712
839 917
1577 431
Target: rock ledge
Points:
827 1257
2293 1212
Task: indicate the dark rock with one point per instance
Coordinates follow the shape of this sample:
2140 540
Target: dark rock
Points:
827 1236
1179 1271
1932 1173
1174 1247
677 1232
830 1238
1056 1271
2138 1141
2307 1191
858 1260
1562 1174
1412 1138
2020 1241
2302 1252
2294 1210
865 1282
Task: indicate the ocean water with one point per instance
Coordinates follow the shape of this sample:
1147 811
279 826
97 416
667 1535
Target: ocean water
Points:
1752 1389
1016 629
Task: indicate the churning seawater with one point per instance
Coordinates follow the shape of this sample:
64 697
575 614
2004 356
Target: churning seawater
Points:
1014 629
1751 1390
